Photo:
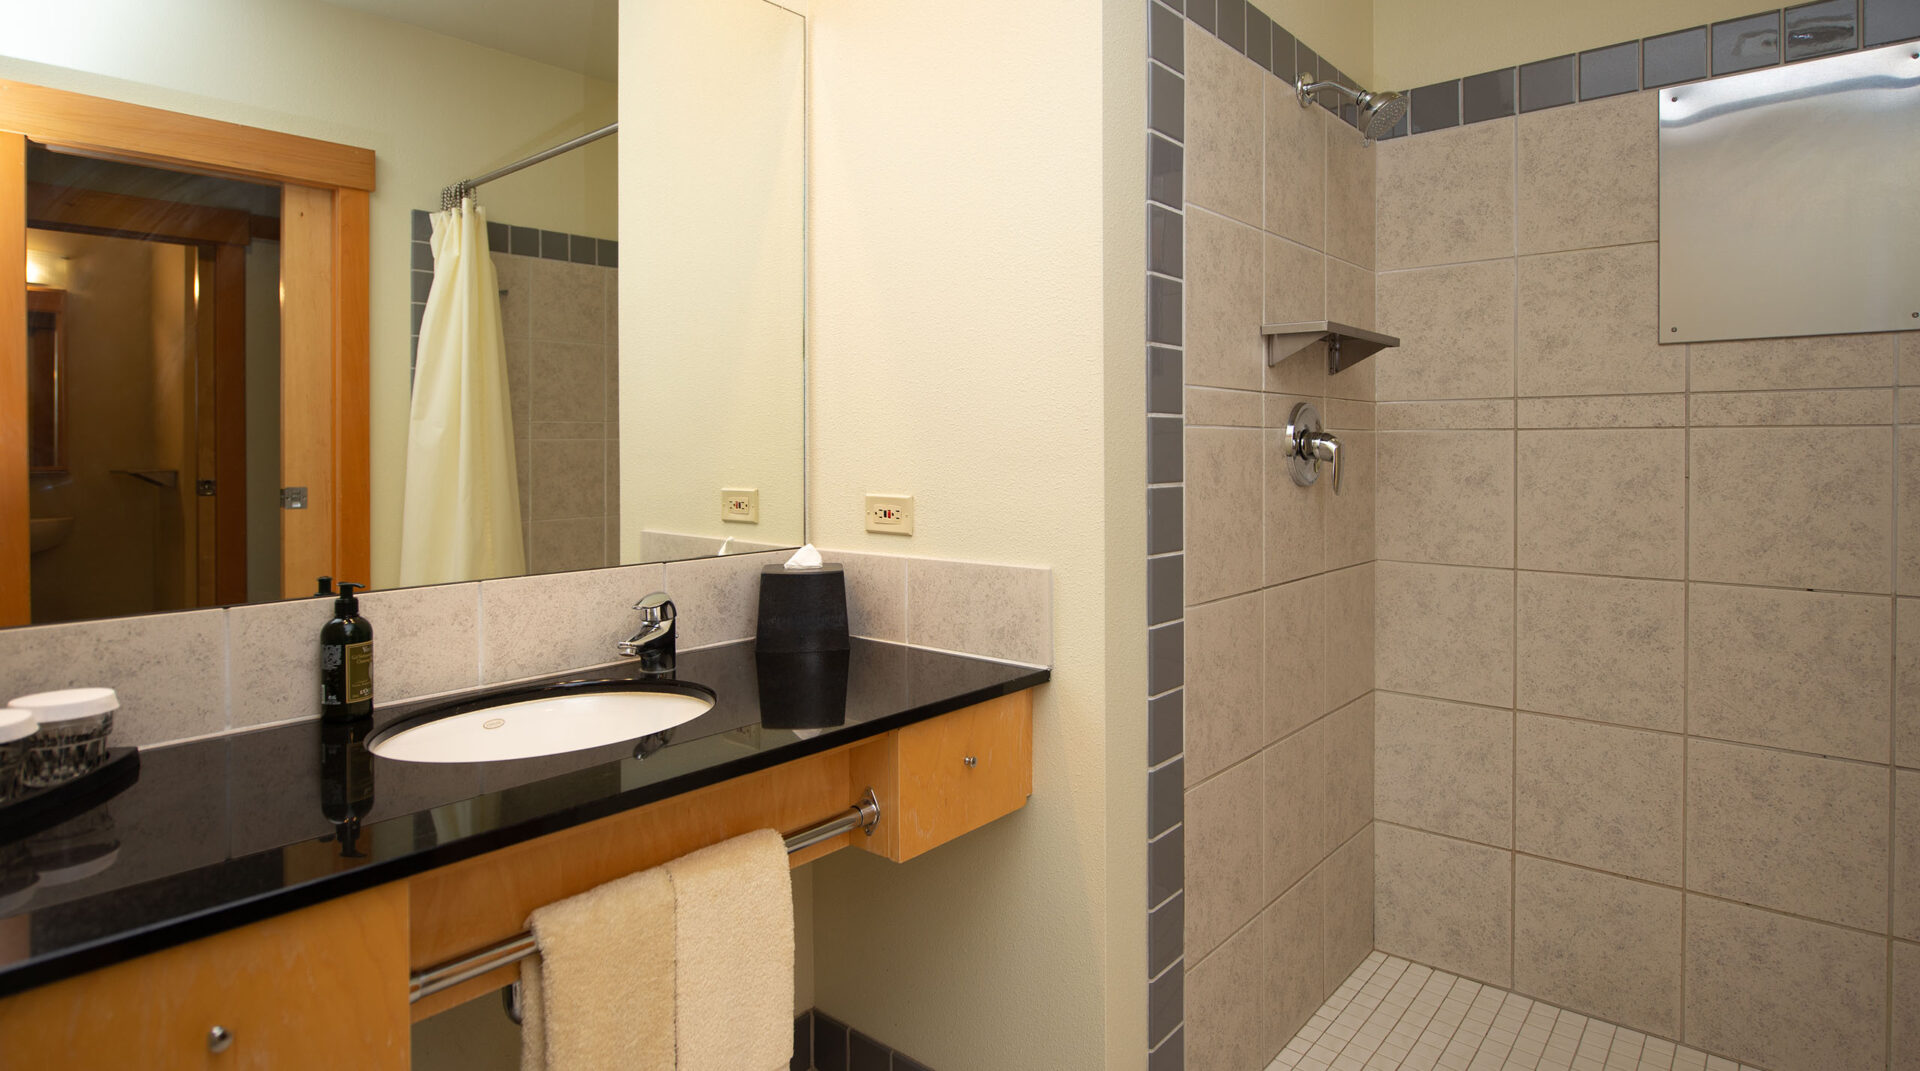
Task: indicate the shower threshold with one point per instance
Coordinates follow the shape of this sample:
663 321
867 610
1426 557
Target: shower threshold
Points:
1392 1015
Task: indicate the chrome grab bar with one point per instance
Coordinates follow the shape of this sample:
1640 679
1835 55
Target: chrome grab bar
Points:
863 815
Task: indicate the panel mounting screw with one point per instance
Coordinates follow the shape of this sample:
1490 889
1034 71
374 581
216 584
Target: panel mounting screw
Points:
1673 330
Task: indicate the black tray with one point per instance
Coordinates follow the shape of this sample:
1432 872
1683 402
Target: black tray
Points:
23 816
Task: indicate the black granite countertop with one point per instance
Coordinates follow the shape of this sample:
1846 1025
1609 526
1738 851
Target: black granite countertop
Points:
222 832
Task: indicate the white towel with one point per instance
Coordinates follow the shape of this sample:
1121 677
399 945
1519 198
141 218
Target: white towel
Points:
733 955
600 995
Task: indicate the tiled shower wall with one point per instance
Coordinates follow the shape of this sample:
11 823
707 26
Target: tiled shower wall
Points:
1274 590
1648 727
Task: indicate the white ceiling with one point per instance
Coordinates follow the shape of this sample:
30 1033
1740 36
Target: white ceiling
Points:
578 35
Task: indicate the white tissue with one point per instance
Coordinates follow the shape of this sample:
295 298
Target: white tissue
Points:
805 558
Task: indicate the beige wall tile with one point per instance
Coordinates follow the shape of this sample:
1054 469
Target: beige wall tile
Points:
1605 411
1589 324
1590 175
534 625
1296 174
569 304
1819 407
1909 406
1350 514
1444 416
1225 715
1223 310
1350 184
1446 497
1906 1007
1790 832
718 601
1349 765
1603 945
568 380
569 479
1793 669
1446 197
1350 595
564 545
1302 375
1787 363
943 605
1295 800
163 696
1225 880
1908 533
1224 126
1296 655
1599 795
876 594
1225 408
1906 707
273 662
1906 854
1443 902
1224 1002
1296 285
1610 502
1280 407
1343 414
1355 381
1455 326
1224 554
1796 507
1444 767
1445 632
1783 993
1349 294
426 640
1294 956
1295 530
1602 648
1347 909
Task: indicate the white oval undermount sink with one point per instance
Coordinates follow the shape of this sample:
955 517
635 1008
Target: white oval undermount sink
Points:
542 724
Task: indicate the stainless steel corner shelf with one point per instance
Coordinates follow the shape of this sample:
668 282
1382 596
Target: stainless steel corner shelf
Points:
1347 345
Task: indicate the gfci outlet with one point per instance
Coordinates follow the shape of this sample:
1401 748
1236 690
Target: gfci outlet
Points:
890 513
740 504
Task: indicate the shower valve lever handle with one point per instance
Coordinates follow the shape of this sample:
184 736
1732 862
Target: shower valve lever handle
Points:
1322 446
1309 444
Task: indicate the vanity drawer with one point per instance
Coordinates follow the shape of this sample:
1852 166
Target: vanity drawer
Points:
949 775
324 986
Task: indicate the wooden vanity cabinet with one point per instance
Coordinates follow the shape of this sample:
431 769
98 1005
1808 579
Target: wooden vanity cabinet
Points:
327 986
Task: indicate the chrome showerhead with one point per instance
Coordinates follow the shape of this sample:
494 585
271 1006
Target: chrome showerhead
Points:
1378 111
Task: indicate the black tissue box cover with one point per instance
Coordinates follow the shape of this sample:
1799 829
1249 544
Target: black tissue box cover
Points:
802 610
802 689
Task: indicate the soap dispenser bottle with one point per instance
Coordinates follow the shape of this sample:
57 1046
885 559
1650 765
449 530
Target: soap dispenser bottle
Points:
346 660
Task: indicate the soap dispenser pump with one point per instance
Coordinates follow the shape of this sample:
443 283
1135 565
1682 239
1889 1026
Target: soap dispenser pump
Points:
346 660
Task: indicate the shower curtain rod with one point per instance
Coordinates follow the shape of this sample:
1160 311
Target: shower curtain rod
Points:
451 196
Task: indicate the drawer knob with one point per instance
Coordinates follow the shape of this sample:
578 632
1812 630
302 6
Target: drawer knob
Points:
971 761
219 1039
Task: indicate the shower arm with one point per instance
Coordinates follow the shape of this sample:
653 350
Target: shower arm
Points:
1305 90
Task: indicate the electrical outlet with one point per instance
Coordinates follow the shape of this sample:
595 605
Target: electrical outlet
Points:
890 513
740 505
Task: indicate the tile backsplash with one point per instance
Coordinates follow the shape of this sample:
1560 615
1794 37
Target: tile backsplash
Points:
203 672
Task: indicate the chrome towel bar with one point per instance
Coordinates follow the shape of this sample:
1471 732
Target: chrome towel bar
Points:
863 815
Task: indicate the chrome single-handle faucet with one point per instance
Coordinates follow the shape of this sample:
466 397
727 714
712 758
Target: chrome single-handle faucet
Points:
653 644
1308 444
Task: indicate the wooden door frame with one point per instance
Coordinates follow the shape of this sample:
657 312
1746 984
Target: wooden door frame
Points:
325 329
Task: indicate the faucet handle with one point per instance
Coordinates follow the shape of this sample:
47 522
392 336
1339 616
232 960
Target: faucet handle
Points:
1308 444
655 607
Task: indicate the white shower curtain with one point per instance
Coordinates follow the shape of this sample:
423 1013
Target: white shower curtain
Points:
461 516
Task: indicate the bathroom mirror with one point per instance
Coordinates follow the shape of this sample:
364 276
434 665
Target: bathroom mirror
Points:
1788 200
651 283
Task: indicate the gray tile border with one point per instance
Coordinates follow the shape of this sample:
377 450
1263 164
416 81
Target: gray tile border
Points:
1166 808
1163 241
525 242
1169 1055
1822 28
1746 44
1887 21
1487 96
1166 725
554 245
1166 657
1165 588
1166 938
1435 107
1232 27
1165 456
1259 37
1166 999
1166 380
1548 84
1204 13
1610 71
1167 852
1164 520
1674 57
1166 102
1166 36
1165 178
1163 310
1282 47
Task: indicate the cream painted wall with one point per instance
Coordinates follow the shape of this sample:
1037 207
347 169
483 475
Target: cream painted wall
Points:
713 255
433 109
1418 42
1338 30
976 233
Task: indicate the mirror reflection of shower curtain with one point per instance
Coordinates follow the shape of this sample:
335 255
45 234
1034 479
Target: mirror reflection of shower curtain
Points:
461 516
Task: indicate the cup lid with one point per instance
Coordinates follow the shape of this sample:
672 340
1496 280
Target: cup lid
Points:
68 704
17 725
